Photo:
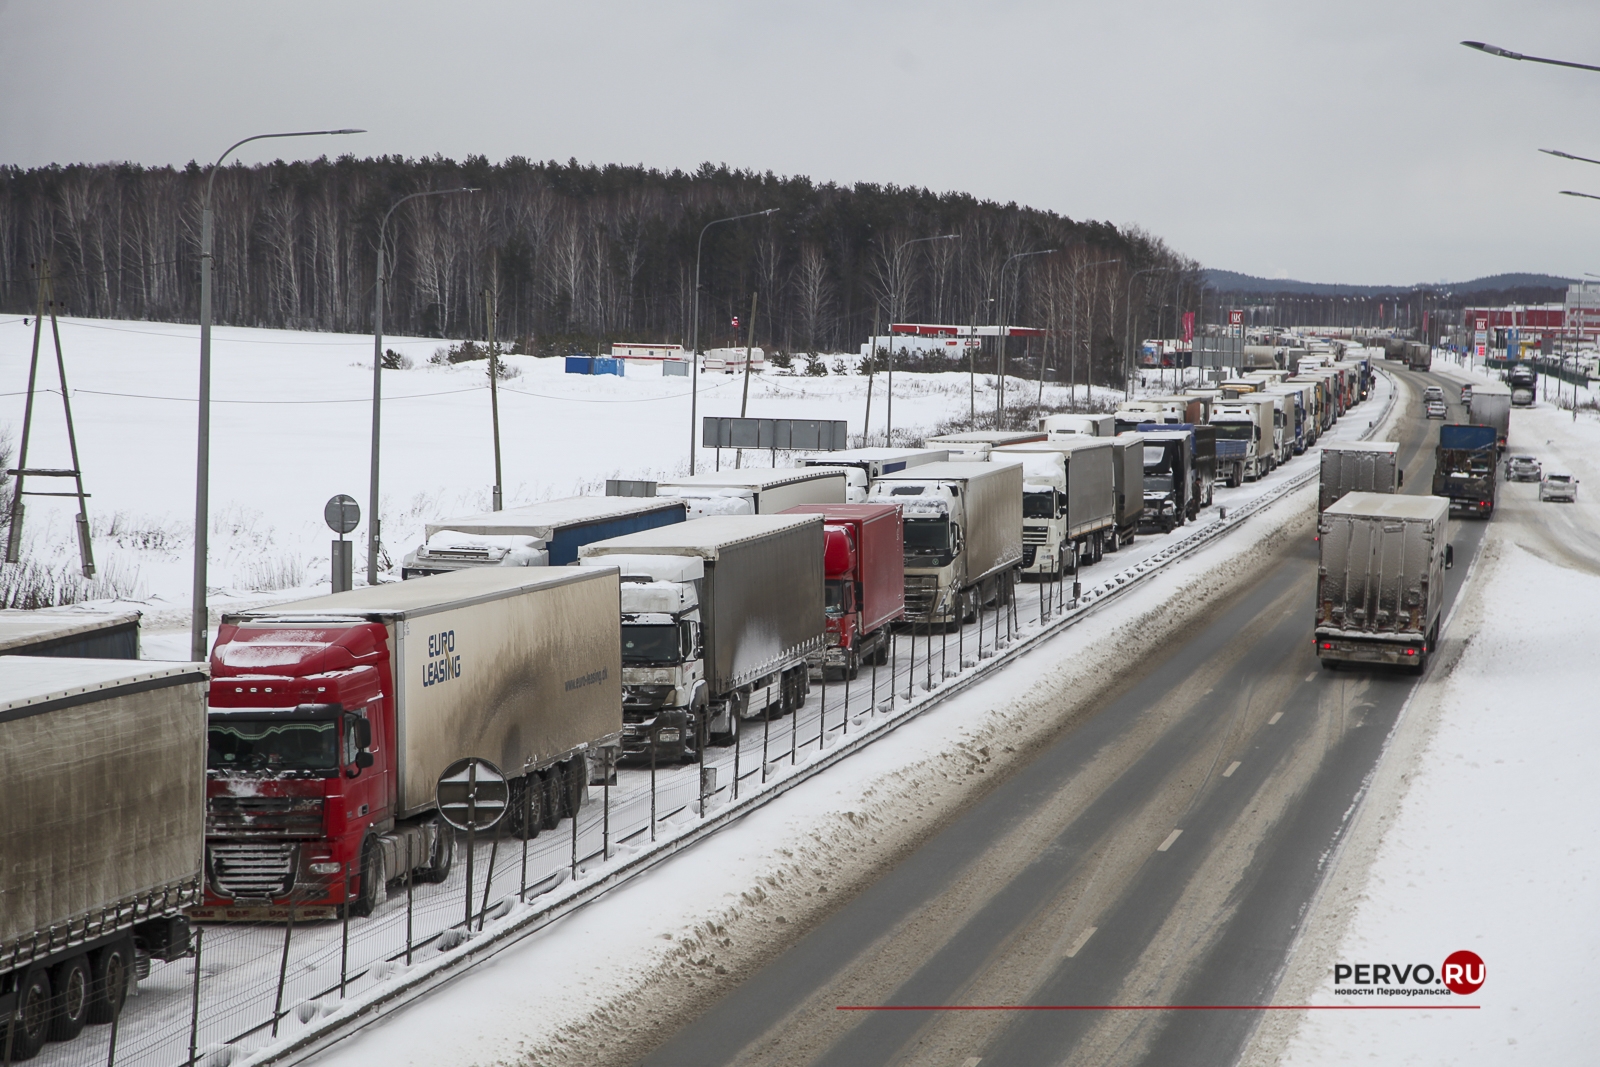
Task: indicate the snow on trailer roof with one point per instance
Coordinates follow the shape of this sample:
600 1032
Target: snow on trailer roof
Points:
1490 386
540 520
862 455
1076 443
944 472
987 437
750 478
419 596
705 537
18 627
1361 446
1389 506
30 680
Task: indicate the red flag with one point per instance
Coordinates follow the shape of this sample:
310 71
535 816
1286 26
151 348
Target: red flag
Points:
1188 326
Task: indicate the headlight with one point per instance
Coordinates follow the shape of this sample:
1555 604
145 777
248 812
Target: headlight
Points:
326 868
667 733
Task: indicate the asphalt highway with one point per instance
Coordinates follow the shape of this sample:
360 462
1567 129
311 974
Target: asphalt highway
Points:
1162 852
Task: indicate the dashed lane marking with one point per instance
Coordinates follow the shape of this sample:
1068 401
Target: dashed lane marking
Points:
1311 677
1168 842
1083 939
1231 768
972 1061
1274 720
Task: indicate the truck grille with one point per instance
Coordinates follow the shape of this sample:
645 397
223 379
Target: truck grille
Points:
1229 449
921 592
229 816
253 870
1035 535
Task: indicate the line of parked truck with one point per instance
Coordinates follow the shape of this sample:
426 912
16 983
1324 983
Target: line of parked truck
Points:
295 774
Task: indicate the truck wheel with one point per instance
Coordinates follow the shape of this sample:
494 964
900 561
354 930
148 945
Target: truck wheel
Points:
374 880
70 980
852 666
443 858
577 785
521 822
108 981
30 1025
1236 476
549 799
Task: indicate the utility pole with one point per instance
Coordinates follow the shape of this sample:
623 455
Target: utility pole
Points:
744 399
494 388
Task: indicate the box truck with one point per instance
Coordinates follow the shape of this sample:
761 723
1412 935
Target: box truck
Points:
331 720
718 616
536 535
757 491
1169 480
1247 437
975 444
1069 502
1380 582
1092 425
1465 470
963 532
104 770
864 591
71 632
1490 405
1358 467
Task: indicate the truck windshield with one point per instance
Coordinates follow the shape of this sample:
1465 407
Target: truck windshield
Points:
1158 459
272 745
1235 431
833 596
653 644
1039 505
927 537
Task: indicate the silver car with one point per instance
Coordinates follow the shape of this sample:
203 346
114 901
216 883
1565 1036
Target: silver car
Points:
1435 409
1523 469
1559 487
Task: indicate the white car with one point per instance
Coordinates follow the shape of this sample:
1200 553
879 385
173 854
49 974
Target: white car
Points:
1559 487
1435 409
1524 469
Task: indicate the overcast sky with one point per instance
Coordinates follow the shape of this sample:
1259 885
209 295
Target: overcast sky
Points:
1351 141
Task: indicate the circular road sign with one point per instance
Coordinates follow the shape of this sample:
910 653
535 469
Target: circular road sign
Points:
341 513
472 794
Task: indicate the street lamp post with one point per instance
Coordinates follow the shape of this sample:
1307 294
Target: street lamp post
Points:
199 622
888 418
1127 331
378 293
1000 332
694 343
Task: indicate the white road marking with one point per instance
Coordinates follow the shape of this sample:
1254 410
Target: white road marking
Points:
1231 768
1083 939
972 1061
1168 842
1273 721
1311 677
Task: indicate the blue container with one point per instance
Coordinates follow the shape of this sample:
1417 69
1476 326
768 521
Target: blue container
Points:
1457 435
580 364
607 365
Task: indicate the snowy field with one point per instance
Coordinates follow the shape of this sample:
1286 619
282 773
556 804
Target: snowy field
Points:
1479 831
291 428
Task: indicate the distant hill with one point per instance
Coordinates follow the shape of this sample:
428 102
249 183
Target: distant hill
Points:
1233 282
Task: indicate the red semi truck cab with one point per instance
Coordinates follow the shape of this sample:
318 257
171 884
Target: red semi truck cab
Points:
863 560
300 770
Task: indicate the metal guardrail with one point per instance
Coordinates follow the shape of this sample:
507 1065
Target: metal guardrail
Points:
361 1011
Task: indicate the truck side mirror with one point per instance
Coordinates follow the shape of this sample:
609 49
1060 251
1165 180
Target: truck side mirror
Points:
364 759
364 737
1449 556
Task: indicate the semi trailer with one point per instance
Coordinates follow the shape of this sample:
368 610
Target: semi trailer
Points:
1380 580
1069 502
861 465
544 534
1127 471
1490 405
1465 469
864 592
331 720
757 491
975 444
1358 467
963 531
104 836
71 632
718 616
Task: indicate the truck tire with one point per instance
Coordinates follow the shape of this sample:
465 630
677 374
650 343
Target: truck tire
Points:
522 823
70 981
374 888
577 779
1236 476
737 702
109 969
437 869
30 1025
550 790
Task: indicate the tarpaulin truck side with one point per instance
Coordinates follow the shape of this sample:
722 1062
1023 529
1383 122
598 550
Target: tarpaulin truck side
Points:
547 533
331 720
1127 458
863 563
963 530
1068 501
1491 406
757 491
718 617
1380 582
103 765
1358 466
69 632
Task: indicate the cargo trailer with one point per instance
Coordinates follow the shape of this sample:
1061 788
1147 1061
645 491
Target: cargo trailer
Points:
1358 467
863 560
544 534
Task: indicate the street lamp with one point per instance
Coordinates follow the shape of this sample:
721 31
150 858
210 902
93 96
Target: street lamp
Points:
1508 54
1127 331
378 292
199 622
694 356
1000 332
888 418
